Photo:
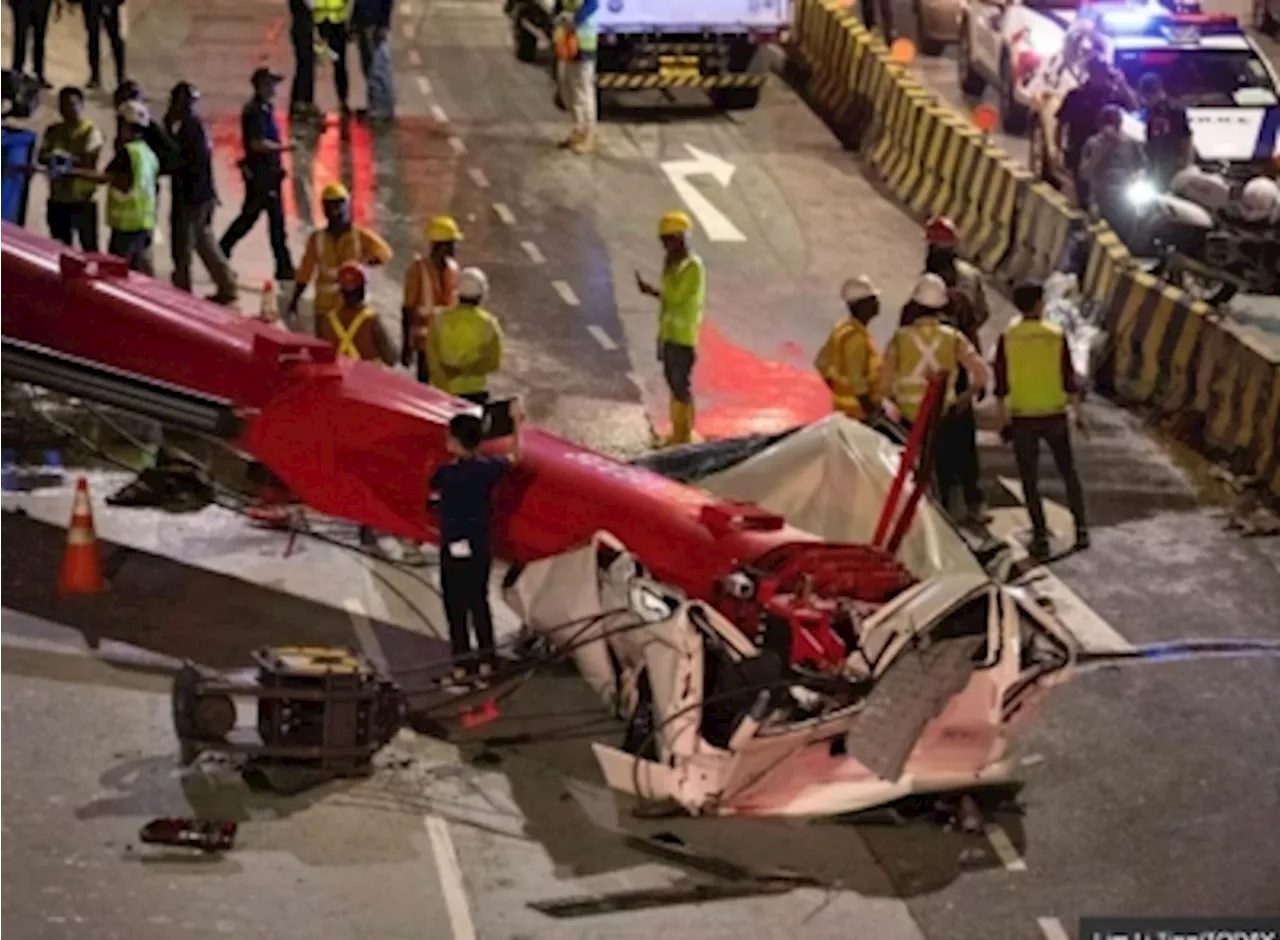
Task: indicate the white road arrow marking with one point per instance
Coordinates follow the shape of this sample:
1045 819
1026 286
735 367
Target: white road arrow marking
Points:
717 227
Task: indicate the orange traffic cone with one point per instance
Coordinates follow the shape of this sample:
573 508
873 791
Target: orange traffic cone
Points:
269 311
81 565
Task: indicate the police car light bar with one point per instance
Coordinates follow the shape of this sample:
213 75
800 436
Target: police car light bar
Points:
1154 23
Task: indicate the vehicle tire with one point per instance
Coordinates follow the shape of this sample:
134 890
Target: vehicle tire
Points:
971 83
526 43
735 99
928 45
1014 117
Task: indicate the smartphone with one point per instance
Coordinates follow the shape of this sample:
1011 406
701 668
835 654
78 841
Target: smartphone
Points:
497 421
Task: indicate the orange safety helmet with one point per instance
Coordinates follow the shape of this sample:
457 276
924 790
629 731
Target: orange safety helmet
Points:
351 276
941 231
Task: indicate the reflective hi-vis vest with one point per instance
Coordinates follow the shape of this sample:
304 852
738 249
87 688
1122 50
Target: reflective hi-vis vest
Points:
683 294
345 336
440 288
329 258
587 30
924 347
330 11
135 211
1033 360
837 360
467 341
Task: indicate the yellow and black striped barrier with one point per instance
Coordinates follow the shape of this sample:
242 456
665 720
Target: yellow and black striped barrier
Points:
621 80
1043 223
1108 259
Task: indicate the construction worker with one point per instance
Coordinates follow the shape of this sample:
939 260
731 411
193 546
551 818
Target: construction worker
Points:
849 361
576 37
76 142
352 324
464 343
682 298
430 286
132 178
1034 373
331 23
329 248
943 240
921 350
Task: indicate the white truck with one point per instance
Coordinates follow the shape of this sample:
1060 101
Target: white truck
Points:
717 46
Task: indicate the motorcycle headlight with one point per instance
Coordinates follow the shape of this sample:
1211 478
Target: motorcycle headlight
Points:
1141 193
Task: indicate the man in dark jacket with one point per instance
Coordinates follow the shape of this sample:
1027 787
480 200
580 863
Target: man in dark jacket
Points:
99 15
30 21
1080 115
194 196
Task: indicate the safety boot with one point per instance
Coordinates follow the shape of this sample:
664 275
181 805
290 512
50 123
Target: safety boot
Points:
584 144
571 141
681 425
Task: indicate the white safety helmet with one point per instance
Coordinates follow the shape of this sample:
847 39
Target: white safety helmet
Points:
858 288
134 112
931 292
1258 199
473 284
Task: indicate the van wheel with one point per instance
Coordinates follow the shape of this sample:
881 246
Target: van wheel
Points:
735 99
928 45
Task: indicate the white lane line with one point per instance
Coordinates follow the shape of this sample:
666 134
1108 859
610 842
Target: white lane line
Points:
455 893
365 634
601 337
438 114
566 293
478 177
424 84
534 254
415 57
1003 846
407 30
505 214
1052 928
458 145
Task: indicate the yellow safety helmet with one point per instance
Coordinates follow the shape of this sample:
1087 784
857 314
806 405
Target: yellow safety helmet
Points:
674 223
443 228
335 192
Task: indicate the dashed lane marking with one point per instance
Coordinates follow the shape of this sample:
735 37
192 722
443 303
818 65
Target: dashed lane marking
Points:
1052 928
566 293
437 113
424 84
450 873
458 145
601 337
1003 847
415 58
478 177
407 30
534 254
504 213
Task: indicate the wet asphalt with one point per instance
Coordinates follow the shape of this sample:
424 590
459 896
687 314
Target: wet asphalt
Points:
1153 788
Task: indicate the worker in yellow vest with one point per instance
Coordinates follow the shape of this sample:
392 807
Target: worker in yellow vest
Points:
353 326
430 287
330 248
849 361
332 18
682 299
465 342
132 178
918 352
1034 373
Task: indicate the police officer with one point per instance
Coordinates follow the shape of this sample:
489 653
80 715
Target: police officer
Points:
1034 373
849 361
331 23
133 177
1080 114
430 287
328 249
682 299
263 169
465 342
926 348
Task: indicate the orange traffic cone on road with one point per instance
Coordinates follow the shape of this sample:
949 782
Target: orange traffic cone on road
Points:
81 565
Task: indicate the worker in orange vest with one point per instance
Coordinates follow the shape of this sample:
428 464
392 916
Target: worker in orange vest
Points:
329 248
354 327
430 286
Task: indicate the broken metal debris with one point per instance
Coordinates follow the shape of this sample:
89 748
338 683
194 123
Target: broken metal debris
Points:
206 835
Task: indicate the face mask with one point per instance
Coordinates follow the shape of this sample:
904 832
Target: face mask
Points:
353 298
338 215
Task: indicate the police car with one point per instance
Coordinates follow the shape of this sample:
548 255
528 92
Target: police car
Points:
1207 64
1003 42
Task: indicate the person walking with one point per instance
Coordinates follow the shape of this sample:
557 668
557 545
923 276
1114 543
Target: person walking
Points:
464 343
577 36
430 288
30 24
302 36
682 298
849 361
1080 114
133 178
331 23
263 170
462 497
100 15
194 197
330 248
1035 384
371 22
74 143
